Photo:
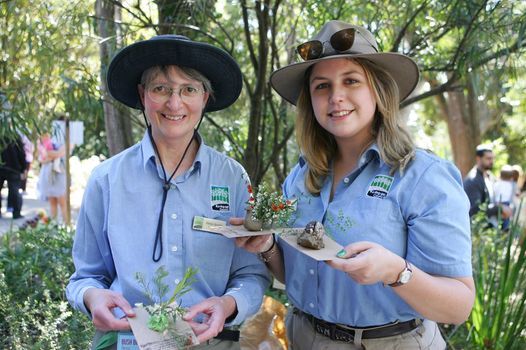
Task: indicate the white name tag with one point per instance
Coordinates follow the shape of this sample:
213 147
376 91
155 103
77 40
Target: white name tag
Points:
205 224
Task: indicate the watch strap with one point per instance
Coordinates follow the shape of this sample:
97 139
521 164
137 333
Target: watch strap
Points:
407 269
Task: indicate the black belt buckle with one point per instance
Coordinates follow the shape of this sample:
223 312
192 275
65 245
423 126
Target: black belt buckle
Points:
332 331
340 333
343 336
228 334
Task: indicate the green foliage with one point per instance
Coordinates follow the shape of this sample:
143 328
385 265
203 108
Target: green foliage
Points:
270 208
163 313
107 340
498 318
36 264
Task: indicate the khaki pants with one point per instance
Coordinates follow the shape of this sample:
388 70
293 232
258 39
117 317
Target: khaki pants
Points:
212 344
302 336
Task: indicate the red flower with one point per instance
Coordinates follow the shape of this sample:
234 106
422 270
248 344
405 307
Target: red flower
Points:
249 188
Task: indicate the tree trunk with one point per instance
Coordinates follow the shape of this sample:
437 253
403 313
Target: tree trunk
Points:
117 122
460 133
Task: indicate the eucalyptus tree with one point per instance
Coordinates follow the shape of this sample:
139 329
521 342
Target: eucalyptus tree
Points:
117 122
48 66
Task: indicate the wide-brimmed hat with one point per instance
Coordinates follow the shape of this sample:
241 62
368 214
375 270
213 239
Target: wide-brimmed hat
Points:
288 80
126 68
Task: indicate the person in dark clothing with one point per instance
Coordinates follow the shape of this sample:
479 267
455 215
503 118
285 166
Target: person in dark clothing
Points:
478 185
12 168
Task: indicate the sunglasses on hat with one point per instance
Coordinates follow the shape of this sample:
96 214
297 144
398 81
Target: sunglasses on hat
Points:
340 41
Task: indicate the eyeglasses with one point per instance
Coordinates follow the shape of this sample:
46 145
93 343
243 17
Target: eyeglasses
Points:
160 93
340 41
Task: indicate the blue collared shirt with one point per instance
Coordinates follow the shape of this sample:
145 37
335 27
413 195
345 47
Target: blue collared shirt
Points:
421 216
118 220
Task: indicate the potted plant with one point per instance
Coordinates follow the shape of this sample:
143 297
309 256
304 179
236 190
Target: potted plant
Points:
267 209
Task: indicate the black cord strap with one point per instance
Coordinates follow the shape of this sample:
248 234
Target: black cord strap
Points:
166 183
166 187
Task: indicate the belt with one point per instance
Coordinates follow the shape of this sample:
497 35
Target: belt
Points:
346 334
228 334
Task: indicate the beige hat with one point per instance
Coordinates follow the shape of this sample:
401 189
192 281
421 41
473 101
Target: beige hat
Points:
338 39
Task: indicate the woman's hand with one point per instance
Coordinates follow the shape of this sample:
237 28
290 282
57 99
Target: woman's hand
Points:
369 263
216 311
253 244
100 302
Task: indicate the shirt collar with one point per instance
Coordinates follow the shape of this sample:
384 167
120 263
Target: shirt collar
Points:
372 152
148 153
369 154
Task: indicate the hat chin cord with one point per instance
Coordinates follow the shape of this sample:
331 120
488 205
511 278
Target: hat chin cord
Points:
156 256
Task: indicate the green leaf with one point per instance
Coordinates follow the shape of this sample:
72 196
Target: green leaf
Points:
107 340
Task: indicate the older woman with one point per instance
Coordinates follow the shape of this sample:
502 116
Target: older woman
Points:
401 213
139 206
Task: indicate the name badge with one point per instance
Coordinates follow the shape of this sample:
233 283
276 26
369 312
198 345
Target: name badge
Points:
126 341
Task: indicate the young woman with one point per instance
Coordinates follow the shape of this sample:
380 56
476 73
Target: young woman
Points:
400 213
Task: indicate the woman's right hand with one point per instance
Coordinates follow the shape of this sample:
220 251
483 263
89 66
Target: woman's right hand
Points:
253 244
100 302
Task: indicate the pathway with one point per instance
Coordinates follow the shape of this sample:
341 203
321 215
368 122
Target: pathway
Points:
30 208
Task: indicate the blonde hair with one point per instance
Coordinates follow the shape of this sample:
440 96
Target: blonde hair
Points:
319 146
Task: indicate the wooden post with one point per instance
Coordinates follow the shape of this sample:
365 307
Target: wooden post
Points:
67 214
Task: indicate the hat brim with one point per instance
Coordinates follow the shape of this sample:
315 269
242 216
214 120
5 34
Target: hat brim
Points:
126 68
287 81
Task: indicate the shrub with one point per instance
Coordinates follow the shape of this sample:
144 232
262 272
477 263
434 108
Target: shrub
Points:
35 264
498 318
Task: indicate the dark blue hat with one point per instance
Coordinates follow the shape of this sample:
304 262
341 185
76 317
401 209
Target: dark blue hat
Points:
126 68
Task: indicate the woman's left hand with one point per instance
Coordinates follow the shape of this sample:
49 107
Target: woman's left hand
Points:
216 311
369 263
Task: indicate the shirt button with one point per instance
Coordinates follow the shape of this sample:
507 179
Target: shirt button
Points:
174 216
311 305
346 180
174 248
311 271
176 281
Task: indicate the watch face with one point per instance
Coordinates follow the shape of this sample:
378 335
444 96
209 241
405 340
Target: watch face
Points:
405 276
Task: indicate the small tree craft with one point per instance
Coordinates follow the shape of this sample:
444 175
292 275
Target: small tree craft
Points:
267 209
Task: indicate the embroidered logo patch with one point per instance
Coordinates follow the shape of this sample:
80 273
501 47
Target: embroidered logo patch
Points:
380 186
220 198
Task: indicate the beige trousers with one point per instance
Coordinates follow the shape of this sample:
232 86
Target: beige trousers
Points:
302 336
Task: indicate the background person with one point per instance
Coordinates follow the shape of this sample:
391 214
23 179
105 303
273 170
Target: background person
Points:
504 191
478 185
13 169
51 184
139 205
400 212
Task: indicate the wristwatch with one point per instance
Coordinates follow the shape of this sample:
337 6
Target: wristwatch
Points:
404 276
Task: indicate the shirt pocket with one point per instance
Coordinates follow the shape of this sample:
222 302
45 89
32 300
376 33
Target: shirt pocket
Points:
212 254
381 221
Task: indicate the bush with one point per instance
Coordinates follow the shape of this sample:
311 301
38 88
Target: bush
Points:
35 264
498 318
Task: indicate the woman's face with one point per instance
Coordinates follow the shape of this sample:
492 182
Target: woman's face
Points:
342 100
175 118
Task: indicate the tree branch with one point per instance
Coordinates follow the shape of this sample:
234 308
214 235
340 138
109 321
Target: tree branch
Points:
235 146
246 30
403 31
467 33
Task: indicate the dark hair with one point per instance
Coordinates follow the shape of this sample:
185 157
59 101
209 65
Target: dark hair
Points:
481 150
